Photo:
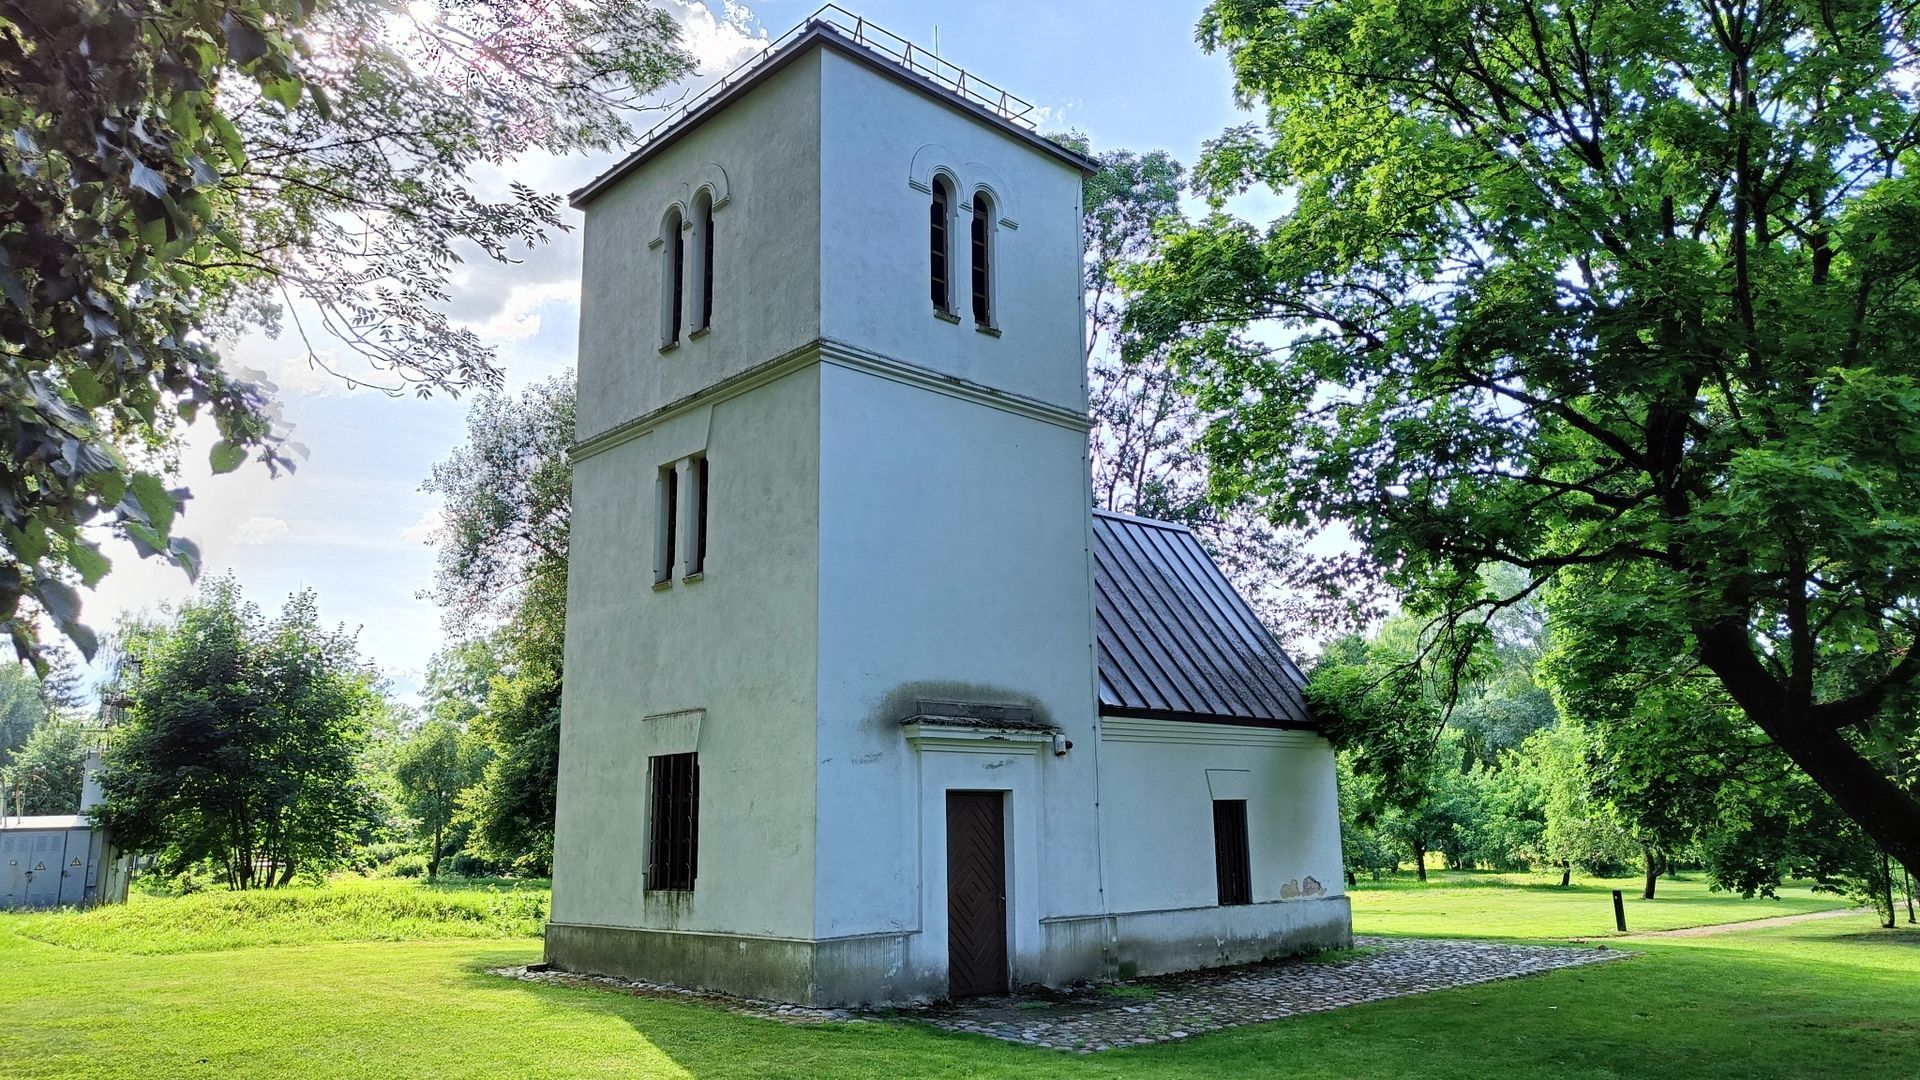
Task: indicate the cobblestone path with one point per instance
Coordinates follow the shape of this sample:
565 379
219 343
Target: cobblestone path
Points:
1172 1007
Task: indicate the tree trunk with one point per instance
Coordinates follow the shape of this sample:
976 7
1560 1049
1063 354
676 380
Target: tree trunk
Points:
1888 815
1653 874
1566 874
1352 881
1886 878
433 864
1420 861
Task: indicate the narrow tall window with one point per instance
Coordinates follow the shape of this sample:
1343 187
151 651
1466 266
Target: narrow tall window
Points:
666 523
700 516
694 515
673 840
938 249
982 256
1230 861
703 254
673 273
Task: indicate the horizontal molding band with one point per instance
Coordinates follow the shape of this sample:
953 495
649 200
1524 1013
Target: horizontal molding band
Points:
839 354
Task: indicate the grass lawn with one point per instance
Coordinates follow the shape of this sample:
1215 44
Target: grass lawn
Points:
1834 997
1478 903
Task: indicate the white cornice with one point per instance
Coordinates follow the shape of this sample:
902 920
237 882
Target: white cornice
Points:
973 740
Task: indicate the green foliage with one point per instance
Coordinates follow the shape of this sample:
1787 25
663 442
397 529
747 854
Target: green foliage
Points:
343 911
177 172
21 707
47 771
433 767
1610 294
242 748
507 499
1145 434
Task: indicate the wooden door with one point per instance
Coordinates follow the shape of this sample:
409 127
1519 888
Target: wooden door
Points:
976 893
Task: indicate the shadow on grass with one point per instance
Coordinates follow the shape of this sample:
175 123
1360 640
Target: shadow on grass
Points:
708 1040
1903 935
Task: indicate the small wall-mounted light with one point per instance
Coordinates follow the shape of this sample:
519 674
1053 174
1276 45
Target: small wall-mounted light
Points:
1061 744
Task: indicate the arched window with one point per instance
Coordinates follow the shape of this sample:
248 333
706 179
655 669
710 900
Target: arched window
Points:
982 259
939 248
703 254
673 278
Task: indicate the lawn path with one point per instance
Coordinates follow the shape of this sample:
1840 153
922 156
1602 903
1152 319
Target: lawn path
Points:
1751 924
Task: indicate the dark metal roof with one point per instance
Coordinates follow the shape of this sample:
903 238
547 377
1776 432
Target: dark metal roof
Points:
1177 641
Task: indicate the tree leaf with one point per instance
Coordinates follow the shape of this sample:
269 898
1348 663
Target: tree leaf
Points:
87 560
244 43
226 457
154 498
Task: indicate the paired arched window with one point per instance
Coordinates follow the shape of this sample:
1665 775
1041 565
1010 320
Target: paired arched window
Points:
686 269
940 260
982 251
940 245
673 277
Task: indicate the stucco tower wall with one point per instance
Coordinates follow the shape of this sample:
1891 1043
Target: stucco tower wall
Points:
954 535
762 157
727 663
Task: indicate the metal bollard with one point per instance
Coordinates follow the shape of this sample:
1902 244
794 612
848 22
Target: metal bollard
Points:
1619 912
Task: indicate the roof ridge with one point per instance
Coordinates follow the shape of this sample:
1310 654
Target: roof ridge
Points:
1160 523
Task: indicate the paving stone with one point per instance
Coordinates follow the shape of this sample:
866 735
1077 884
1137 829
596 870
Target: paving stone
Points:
1193 1003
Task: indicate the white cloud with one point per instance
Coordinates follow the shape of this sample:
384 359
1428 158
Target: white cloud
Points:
424 530
258 530
518 317
718 45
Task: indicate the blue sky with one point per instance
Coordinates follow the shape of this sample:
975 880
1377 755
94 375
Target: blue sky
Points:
353 524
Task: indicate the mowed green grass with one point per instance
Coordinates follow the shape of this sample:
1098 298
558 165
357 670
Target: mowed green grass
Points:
1831 997
1477 903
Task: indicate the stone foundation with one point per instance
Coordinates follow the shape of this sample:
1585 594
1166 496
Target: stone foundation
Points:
878 969
834 971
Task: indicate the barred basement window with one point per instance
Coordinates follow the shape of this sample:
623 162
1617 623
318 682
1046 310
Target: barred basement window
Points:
666 523
674 826
1230 861
938 249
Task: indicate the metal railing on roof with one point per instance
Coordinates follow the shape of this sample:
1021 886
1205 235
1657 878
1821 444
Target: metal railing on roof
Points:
917 59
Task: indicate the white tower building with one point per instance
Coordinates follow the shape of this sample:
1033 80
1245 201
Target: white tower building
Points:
842 671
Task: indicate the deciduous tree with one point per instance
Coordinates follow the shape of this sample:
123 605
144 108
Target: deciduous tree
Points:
175 172
241 747
1632 290
432 768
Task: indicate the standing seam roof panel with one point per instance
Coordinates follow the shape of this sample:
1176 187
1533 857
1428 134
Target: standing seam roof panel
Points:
1176 637
1256 649
1161 658
1239 670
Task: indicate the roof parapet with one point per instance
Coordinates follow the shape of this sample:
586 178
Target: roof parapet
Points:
881 47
